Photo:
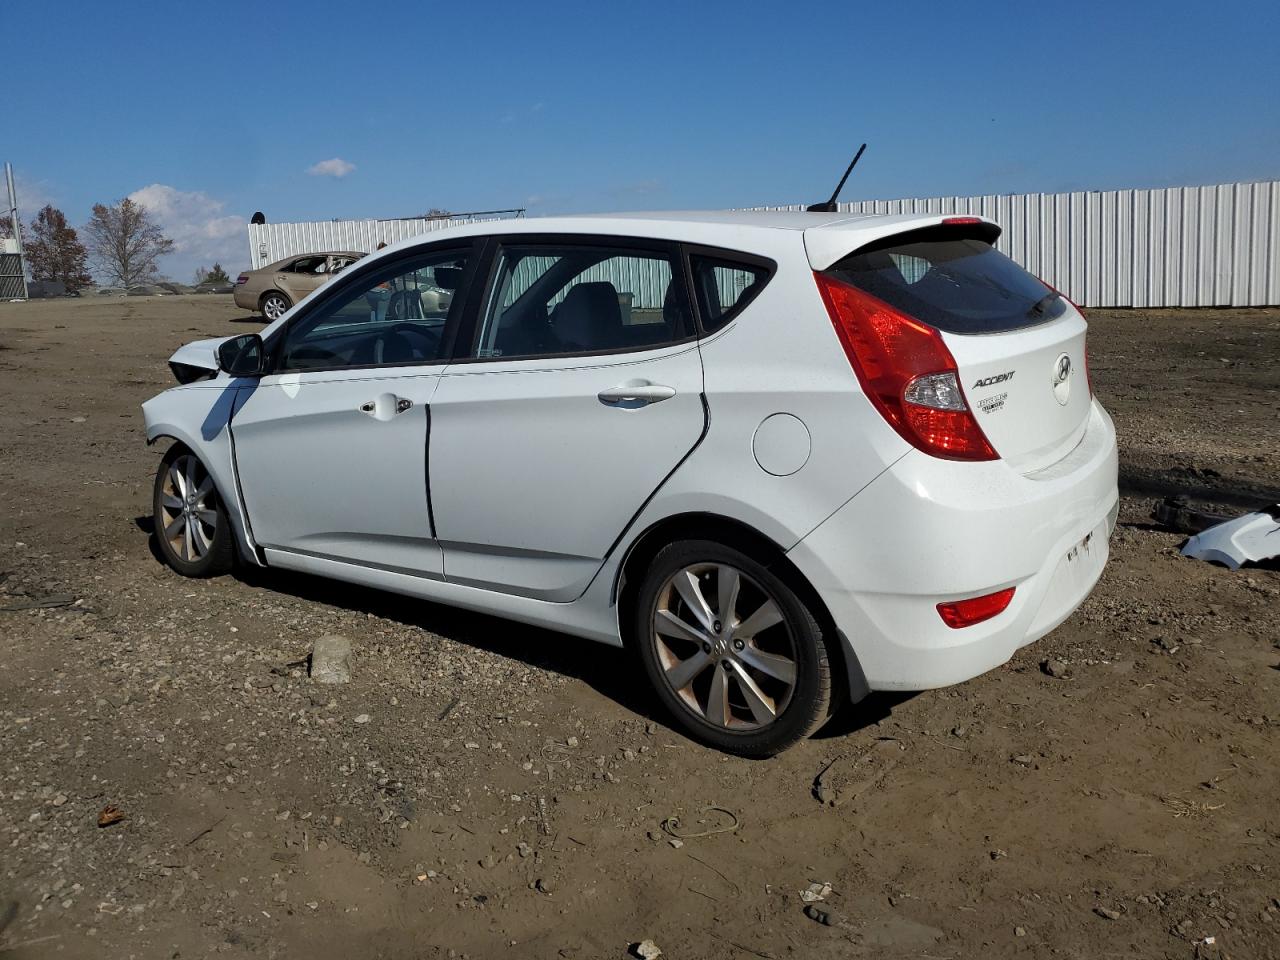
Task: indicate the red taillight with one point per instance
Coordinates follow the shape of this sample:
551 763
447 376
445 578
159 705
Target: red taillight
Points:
965 613
907 373
961 221
243 278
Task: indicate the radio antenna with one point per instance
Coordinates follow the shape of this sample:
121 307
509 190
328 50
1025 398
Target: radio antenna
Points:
830 205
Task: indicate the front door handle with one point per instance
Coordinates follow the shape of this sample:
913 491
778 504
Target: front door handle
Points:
636 393
386 406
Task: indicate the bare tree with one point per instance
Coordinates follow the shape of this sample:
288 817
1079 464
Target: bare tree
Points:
125 243
54 252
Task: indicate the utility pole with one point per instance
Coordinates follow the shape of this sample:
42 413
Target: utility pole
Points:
17 227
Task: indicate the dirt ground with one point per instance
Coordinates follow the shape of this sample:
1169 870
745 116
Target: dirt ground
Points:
482 789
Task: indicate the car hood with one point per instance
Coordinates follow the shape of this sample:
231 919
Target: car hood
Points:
199 353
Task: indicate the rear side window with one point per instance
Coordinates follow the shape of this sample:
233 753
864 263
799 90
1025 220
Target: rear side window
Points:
724 288
953 283
554 299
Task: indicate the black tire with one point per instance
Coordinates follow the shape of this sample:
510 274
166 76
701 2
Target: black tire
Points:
797 713
276 297
191 544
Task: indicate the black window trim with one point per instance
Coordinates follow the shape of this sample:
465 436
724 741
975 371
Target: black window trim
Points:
362 272
469 340
768 265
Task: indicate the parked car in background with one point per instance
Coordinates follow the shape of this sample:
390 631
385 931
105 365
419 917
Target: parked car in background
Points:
275 288
215 286
785 458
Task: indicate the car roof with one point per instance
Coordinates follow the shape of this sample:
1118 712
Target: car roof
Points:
827 236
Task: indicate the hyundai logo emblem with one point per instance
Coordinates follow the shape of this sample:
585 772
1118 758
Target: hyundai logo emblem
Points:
1062 379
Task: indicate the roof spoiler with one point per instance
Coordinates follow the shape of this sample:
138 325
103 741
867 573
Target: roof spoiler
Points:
831 242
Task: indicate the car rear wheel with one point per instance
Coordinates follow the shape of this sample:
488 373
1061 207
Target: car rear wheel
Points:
731 649
274 305
191 525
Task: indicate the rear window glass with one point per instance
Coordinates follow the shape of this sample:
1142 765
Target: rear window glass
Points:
956 284
724 288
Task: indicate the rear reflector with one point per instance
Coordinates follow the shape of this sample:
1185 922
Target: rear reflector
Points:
906 371
965 613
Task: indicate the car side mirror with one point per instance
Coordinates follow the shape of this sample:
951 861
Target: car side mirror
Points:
242 356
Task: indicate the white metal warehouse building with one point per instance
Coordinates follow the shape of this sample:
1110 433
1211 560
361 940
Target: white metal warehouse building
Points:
1171 247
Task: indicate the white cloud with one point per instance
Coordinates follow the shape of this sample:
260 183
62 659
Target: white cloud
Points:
337 167
200 228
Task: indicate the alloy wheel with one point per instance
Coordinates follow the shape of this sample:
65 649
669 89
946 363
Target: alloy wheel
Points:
724 647
188 517
274 307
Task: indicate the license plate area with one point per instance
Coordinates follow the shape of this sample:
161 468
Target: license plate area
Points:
1081 551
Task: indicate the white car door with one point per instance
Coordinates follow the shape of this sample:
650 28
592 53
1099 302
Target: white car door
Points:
331 447
583 392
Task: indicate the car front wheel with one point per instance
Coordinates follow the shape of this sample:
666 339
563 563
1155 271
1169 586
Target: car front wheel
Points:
732 650
191 524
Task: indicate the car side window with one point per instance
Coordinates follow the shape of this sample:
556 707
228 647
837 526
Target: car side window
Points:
724 287
389 317
307 265
553 299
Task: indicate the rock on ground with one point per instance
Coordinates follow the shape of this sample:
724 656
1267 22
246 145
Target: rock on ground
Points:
331 659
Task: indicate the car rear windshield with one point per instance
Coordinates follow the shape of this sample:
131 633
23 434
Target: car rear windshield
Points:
955 283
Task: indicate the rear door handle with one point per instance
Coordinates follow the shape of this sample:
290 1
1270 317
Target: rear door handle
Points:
636 393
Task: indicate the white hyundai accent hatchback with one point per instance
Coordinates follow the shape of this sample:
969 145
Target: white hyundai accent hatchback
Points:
784 458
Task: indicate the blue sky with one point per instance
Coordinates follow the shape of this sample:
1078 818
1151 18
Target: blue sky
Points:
218 110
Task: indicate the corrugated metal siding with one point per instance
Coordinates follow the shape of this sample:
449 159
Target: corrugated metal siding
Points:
644 278
1174 247
269 242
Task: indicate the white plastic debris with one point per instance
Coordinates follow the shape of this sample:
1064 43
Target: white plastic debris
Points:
815 892
1253 537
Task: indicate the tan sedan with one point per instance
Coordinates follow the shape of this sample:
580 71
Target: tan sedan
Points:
275 288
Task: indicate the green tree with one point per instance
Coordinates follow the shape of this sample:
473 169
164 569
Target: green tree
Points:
218 274
54 252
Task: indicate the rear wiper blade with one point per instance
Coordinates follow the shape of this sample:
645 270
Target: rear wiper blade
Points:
1041 305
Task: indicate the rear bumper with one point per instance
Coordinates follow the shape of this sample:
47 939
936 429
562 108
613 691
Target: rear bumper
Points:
245 299
928 531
